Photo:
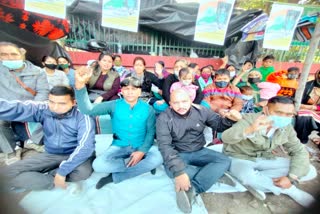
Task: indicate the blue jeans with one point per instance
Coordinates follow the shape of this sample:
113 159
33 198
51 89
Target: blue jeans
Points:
204 167
114 161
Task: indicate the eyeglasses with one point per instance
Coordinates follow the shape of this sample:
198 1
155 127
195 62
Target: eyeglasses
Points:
131 81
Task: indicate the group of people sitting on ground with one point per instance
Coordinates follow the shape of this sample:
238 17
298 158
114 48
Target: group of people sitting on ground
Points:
175 107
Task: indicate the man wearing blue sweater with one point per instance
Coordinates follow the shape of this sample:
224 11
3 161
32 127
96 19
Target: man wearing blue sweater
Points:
68 141
133 124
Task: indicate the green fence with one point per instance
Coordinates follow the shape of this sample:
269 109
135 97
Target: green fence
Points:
297 52
146 41
149 41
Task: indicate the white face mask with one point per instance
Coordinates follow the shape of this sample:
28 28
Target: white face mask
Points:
232 74
247 97
186 82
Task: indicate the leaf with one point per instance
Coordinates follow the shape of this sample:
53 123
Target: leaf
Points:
56 33
42 28
8 18
25 16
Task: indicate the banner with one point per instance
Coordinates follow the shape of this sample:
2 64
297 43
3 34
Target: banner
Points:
281 26
121 14
213 20
56 8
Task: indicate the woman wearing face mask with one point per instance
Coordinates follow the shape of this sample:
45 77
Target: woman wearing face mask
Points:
309 114
205 78
65 65
147 78
243 74
233 72
104 83
54 77
254 77
186 79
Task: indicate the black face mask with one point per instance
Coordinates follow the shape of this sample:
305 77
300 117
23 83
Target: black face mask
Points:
254 80
50 66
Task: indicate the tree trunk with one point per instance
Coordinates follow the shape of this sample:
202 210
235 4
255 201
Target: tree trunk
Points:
307 64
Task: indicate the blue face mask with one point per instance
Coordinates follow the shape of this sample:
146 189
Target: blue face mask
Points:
247 97
12 64
221 84
280 122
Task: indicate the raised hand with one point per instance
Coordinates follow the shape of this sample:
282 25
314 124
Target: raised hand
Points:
262 122
233 115
82 76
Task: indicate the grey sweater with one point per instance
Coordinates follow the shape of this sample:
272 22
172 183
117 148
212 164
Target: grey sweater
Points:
31 75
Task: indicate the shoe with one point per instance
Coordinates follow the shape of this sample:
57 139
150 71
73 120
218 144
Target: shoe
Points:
153 171
301 197
103 181
258 194
36 147
227 179
183 202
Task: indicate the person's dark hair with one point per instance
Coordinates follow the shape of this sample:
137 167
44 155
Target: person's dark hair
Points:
293 69
248 61
245 88
44 58
139 58
161 63
133 81
183 72
192 65
281 99
222 72
116 56
228 66
67 59
64 57
207 66
268 57
103 55
61 90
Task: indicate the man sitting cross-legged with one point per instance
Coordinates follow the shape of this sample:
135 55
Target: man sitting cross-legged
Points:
68 141
181 143
250 143
133 123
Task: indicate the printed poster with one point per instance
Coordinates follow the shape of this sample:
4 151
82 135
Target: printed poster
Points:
213 20
121 14
56 8
281 26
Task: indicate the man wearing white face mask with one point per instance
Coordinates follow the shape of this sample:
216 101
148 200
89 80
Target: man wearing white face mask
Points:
250 143
19 80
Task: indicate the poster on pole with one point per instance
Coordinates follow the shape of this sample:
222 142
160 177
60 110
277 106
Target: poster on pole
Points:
121 14
281 26
56 8
213 20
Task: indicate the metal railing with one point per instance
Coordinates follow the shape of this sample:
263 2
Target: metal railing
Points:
151 42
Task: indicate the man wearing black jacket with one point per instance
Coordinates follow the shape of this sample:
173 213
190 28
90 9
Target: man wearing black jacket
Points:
181 143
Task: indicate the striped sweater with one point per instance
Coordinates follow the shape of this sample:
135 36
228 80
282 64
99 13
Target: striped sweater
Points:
223 98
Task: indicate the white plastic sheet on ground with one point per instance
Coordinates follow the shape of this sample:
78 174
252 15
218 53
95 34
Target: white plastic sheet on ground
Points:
143 194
